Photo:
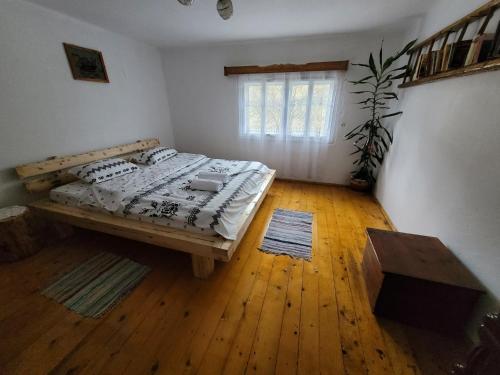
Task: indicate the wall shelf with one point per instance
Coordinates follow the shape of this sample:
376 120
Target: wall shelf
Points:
485 66
427 64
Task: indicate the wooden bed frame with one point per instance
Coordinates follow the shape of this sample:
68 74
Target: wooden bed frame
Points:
204 249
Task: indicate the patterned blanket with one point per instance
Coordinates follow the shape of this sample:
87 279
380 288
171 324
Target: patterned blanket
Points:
162 194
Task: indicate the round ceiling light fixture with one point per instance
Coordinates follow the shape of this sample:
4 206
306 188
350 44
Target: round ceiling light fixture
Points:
224 7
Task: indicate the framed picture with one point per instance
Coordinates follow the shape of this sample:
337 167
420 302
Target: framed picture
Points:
86 64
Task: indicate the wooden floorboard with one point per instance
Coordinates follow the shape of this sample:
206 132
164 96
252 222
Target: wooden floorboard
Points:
259 313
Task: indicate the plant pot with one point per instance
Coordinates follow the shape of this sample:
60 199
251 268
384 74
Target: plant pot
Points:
360 185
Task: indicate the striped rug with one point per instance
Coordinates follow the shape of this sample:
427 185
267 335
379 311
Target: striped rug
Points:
289 233
97 285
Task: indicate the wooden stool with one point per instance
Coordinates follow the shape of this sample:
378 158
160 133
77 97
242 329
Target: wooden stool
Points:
18 237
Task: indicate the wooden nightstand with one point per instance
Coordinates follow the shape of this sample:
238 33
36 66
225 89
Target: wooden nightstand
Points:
417 280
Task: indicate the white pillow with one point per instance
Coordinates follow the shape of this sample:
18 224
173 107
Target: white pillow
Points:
103 170
154 156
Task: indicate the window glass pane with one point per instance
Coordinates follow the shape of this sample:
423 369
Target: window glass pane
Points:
319 115
301 108
275 101
253 108
297 108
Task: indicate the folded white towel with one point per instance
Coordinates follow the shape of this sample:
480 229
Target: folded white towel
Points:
215 176
206 185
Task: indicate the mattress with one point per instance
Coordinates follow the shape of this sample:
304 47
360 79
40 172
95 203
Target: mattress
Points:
161 194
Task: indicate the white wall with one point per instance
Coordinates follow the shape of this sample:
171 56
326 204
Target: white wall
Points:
44 112
442 175
204 103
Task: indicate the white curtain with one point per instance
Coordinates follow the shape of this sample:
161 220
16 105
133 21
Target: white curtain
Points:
289 121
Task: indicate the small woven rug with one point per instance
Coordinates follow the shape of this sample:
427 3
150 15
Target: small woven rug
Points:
97 285
289 233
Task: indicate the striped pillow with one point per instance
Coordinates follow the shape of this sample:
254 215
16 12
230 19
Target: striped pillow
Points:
155 155
103 170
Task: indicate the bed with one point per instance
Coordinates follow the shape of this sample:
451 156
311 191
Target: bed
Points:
156 204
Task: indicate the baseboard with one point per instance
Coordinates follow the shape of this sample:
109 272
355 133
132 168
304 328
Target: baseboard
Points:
311 182
386 215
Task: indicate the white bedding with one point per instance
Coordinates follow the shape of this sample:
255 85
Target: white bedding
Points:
161 194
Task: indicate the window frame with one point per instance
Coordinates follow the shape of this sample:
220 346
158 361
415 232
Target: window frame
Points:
287 82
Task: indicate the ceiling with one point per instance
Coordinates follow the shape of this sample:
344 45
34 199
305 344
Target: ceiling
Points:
166 23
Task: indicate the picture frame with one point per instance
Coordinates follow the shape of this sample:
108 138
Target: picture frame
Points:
86 64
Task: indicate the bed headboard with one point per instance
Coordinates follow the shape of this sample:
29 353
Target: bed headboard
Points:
45 175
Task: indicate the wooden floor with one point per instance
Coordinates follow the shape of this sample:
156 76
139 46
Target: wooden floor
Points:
257 314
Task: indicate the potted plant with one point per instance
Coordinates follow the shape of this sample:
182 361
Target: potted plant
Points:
372 138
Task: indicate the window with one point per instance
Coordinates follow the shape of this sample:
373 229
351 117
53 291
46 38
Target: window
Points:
287 105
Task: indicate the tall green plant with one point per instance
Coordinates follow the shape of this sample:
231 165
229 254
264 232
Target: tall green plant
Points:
372 138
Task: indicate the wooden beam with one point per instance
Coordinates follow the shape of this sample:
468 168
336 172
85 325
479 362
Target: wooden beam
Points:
63 162
155 234
486 21
462 32
445 40
471 17
489 65
287 68
202 266
194 243
49 181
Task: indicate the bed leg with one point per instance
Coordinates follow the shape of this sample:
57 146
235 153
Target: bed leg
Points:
202 266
